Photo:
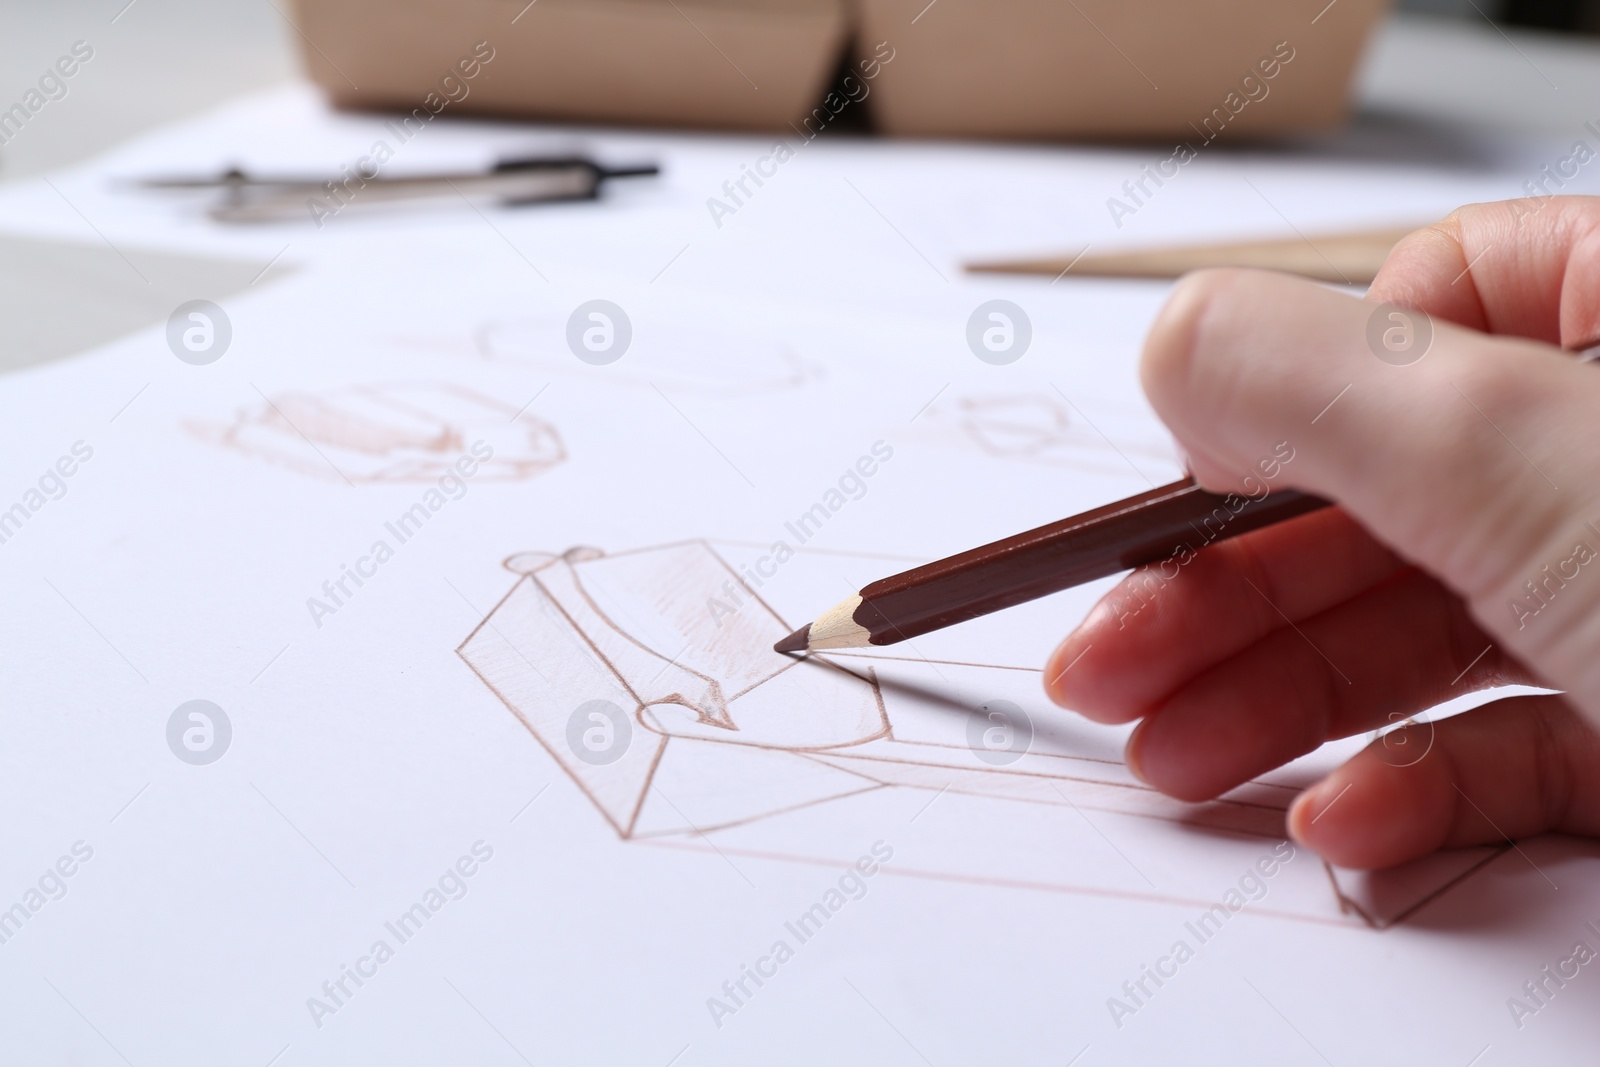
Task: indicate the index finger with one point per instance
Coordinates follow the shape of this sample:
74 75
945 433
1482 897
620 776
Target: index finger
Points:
1529 268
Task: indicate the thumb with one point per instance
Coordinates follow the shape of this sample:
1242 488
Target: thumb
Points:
1471 456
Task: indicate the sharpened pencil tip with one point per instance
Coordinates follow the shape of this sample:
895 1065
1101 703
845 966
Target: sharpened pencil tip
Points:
799 641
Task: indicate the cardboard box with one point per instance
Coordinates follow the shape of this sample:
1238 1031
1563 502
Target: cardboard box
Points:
732 64
952 68
1114 68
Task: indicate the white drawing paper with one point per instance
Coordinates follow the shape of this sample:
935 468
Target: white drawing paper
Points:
425 565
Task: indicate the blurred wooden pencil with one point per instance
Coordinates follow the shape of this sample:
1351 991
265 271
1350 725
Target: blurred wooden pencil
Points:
1347 258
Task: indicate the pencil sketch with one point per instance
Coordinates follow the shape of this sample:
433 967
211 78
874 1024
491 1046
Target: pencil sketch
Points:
1049 431
675 356
723 735
384 433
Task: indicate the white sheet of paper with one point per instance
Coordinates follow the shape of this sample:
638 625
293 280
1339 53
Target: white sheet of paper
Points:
469 603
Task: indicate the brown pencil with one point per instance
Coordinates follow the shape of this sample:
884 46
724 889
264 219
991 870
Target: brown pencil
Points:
1164 523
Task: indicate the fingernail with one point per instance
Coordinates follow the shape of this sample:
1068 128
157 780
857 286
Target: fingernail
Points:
1183 458
1059 669
1306 813
1058 677
1133 753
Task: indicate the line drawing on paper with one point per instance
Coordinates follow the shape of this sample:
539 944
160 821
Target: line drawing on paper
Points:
736 745
675 356
1045 429
388 433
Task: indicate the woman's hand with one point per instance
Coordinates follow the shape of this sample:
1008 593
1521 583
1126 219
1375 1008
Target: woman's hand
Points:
1465 552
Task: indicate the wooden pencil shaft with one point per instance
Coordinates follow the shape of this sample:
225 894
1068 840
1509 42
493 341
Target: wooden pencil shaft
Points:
1154 526
1350 258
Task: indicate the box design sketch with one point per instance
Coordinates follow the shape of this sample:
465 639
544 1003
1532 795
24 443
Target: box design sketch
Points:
711 736
390 432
